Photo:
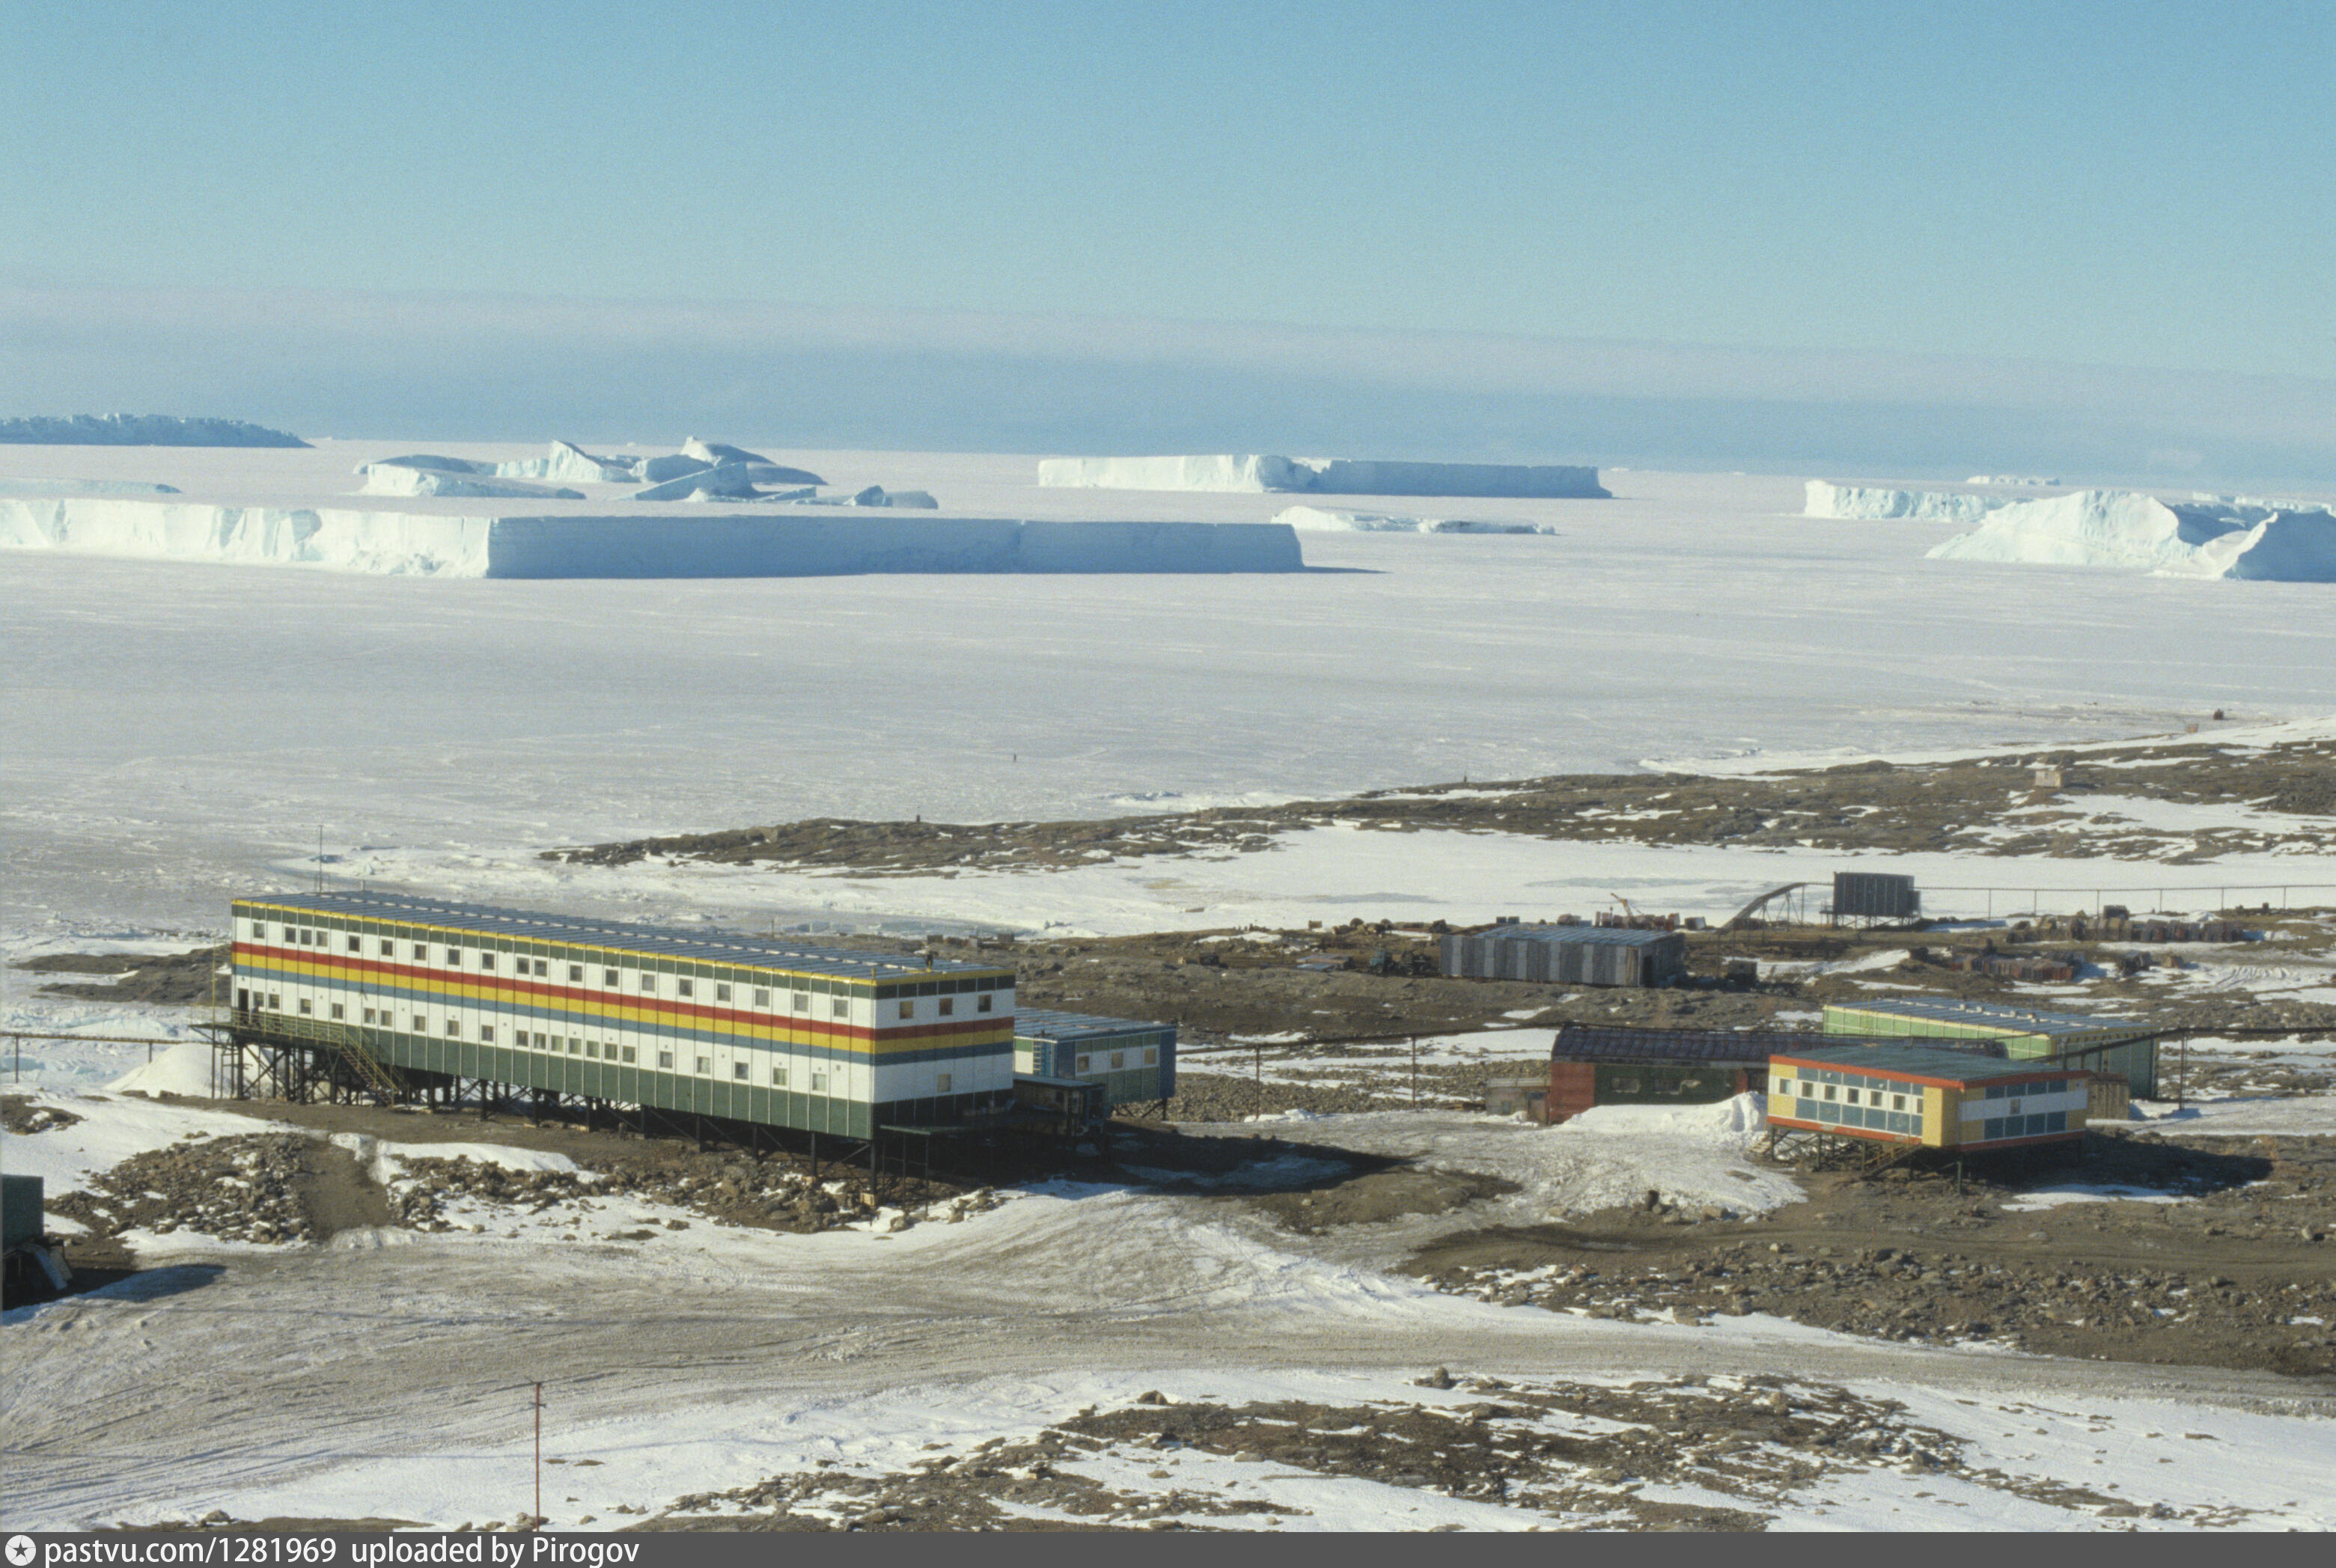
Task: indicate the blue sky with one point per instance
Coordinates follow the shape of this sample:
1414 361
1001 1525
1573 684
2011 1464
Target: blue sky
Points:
1966 199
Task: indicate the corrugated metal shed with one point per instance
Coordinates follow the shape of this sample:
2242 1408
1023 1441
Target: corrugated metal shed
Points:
1567 955
1994 1015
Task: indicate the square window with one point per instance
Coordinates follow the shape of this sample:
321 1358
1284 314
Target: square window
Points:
1086 1064
802 1002
1850 1095
1897 1102
1152 1056
421 1025
908 1008
648 982
1118 1061
576 974
420 951
388 948
738 1071
981 1003
626 1052
455 956
608 976
339 1011
761 999
778 1078
592 1050
705 1066
453 1029
575 1046
1828 1091
368 1015
819 1083
486 960
543 968
941 1083
722 993
949 1006
356 944
305 1007
664 1060
686 988
487 1033
840 1008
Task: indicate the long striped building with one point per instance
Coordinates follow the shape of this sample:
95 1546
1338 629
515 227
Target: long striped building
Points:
751 1028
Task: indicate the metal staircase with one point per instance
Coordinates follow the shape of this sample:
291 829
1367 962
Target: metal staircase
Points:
373 1075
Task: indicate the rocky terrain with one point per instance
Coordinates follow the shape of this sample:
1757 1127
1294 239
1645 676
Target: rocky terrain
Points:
2222 1256
1580 1456
1981 806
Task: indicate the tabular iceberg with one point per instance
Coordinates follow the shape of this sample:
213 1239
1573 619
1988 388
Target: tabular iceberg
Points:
805 543
1826 499
2109 528
1318 520
1254 472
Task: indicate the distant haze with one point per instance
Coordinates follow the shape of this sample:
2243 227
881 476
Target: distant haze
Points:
492 368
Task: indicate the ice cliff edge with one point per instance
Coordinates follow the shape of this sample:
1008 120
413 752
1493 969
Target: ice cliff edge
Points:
1256 472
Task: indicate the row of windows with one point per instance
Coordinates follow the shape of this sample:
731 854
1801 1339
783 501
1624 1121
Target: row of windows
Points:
590 1050
2027 1126
612 979
1846 1095
1118 1059
2012 1090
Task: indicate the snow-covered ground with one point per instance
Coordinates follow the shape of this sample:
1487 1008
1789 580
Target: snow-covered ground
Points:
684 1361
172 734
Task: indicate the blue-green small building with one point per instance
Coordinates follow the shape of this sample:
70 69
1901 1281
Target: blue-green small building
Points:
1135 1062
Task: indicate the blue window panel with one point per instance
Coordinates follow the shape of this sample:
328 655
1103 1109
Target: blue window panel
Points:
1992 1128
2058 1121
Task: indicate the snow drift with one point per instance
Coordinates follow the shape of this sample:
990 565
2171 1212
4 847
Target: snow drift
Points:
1316 519
1321 476
2110 528
794 543
84 487
140 430
396 478
1826 499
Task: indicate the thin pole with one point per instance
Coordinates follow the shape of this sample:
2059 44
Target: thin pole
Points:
1414 1072
538 1454
1258 1076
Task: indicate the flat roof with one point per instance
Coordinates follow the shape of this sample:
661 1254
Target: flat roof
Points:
1993 1015
1048 1024
762 953
1613 936
1748 1047
1925 1062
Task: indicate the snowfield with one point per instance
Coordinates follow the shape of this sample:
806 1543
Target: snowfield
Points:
174 735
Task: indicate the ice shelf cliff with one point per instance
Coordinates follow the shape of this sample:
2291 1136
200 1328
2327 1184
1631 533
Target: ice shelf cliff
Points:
2110 528
1826 499
805 543
1256 472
